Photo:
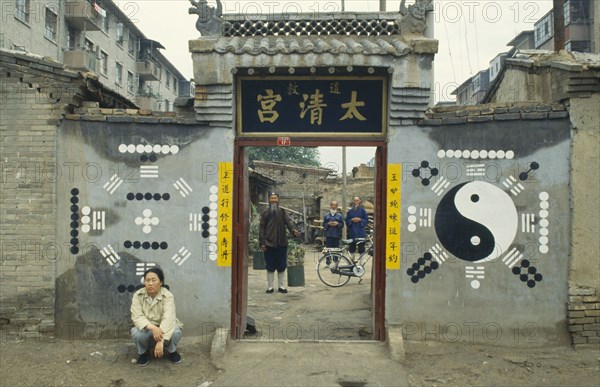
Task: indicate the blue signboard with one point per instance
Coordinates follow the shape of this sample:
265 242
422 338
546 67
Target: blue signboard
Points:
311 106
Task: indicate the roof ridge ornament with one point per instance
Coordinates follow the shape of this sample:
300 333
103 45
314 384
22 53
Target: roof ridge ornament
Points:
413 20
209 21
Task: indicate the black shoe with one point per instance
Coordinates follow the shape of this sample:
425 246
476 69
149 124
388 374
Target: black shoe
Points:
282 290
270 290
143 359
175 357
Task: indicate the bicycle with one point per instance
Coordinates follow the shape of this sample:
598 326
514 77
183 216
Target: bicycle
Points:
335 269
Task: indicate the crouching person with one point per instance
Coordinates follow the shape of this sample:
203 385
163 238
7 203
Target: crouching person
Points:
154 319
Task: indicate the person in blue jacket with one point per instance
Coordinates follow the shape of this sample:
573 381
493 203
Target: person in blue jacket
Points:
357 221
333 223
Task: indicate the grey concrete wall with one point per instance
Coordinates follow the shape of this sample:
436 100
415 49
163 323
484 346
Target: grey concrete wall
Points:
98 268
584 276
484 261
585 268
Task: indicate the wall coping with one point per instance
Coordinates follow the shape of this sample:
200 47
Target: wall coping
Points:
456 115
90 111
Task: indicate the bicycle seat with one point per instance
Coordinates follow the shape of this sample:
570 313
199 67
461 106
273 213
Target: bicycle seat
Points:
357 240
347 241
332 250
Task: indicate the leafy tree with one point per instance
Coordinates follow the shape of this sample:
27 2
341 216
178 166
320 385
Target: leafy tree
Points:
287 154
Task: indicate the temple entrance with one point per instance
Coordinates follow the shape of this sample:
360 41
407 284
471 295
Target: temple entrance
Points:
311 311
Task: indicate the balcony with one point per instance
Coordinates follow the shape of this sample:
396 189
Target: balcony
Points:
147 71
82 15
80 59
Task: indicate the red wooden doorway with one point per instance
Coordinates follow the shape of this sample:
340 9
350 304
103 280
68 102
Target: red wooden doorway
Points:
239 283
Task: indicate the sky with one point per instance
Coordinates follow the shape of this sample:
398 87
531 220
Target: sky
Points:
470 34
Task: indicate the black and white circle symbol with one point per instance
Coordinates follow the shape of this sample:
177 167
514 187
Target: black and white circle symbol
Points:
476 221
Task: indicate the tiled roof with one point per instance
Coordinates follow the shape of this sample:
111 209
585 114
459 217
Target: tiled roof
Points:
377 45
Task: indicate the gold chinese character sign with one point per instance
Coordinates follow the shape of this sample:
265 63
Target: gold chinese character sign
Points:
311 106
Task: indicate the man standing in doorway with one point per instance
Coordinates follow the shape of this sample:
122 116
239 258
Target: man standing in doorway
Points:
273 241
357 221
333 223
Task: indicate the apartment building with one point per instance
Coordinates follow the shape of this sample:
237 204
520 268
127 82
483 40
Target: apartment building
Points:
95 36
472 91
582 31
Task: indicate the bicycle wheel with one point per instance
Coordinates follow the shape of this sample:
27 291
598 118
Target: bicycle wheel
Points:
337 273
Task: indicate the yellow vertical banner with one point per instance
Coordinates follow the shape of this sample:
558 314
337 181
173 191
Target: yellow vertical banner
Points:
392 223
225 214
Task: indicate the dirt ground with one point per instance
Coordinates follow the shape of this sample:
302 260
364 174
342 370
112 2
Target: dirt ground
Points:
101 363
311 312
308 313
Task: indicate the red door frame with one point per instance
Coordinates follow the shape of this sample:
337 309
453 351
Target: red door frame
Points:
239 268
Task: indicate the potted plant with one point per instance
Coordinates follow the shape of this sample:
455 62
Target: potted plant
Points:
295 263
258 257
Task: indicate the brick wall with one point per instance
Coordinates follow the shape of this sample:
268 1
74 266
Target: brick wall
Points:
584 316
33 95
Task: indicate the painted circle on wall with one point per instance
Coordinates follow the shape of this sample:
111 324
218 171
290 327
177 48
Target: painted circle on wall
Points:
476 221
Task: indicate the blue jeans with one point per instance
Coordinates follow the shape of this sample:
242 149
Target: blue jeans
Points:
143 340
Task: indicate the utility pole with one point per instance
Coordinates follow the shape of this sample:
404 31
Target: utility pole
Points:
558 7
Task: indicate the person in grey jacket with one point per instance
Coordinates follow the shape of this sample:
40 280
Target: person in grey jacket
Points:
272 238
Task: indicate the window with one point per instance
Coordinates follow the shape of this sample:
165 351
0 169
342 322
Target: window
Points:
577 11
51 20
167 105
103 62
544 30
104 22
119 74
175 85
578 45
131 44
72 38
130 85
168 80
89 46
158 71
120 33
22 10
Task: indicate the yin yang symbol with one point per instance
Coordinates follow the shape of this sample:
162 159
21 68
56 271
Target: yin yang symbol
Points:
476 221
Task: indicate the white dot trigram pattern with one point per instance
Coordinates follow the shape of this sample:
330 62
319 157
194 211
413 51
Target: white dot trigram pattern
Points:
112 184
438 253
475 170
182 255
440 186
528 223
148 148
476 154
544 205
183 187
110 255
513 185
92 220
141 267
512 257
476 273
418 217
149 171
